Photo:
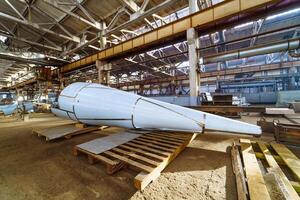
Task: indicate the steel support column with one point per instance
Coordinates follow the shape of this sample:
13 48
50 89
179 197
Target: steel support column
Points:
103 72
193 44
193 6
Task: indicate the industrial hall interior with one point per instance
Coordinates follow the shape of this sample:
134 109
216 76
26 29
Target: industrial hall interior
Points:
150 99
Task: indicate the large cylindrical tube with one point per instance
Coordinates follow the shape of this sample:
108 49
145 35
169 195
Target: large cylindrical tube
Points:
96 104
254 51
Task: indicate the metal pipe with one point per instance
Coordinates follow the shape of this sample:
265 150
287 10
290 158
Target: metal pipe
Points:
96 104
280 30
254 51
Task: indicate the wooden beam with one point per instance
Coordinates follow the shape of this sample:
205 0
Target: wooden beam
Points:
238 170
288 157
275 168
256 183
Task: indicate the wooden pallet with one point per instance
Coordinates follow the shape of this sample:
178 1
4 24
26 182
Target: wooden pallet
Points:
64 131
149 154
264 171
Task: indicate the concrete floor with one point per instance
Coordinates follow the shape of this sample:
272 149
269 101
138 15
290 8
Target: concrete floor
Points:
32 168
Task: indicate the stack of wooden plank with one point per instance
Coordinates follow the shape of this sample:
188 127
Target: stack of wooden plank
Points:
149 153
265 171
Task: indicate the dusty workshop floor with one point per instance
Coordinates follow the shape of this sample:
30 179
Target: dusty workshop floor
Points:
31 168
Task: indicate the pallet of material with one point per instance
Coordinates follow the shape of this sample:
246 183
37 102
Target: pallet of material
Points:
148 153
64 131
285 133
265 171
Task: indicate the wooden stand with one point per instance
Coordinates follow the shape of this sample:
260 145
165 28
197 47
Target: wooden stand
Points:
149 153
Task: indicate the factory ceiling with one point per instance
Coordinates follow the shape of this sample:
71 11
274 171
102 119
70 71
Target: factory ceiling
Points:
55 32
64 30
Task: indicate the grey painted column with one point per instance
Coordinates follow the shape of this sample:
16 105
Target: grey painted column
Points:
193 6
99 66
292 71
193 44
103 72
102 39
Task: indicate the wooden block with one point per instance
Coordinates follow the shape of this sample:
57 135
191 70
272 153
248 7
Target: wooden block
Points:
111 169
80 125
256 183
90 159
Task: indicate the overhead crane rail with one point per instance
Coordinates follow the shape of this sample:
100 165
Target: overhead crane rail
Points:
247 69
227 72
